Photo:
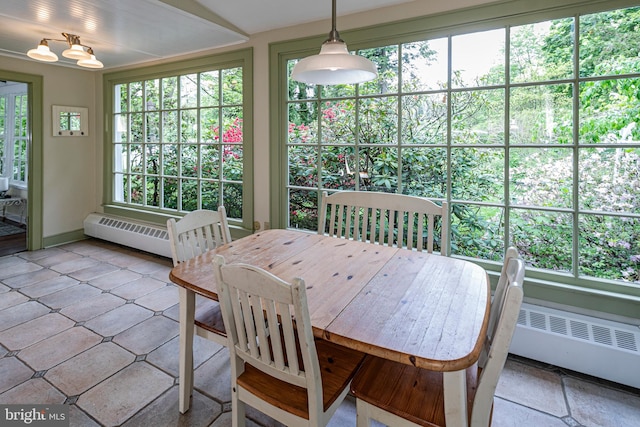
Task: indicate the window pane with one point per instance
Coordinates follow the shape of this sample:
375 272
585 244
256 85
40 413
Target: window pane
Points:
477 231
189 160
303 126
610 179
232 88
541 115
609 111
189 91
170 193
209 87
477 174
152 92
609 43
189 194
338 167
424 119
210 160
232 162
232 197
610 247
338 122
478 117
210 195
386 59
477 59
379 168
170 93
303 209
424 172
541 177
542 51
378 120
424 65
303 165
545 238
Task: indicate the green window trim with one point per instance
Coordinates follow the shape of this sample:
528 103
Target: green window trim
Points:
237 59
586 293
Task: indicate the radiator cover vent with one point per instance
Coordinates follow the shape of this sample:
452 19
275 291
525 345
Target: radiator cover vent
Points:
598 347
124 231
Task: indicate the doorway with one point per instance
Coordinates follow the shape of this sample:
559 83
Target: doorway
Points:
14 166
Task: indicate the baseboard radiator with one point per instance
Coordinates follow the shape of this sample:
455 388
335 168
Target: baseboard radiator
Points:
604 349
124 231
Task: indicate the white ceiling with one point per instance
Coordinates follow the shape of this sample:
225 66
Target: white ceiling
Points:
124 32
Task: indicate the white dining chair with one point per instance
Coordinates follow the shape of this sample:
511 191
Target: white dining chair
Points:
196 233
402 395
384 218
277 366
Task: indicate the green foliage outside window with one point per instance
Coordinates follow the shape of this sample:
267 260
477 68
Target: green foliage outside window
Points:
503 142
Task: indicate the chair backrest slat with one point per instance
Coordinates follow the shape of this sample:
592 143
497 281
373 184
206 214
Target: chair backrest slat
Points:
197 232
386 219
259 309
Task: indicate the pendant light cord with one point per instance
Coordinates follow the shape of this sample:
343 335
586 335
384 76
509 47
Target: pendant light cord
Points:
334 36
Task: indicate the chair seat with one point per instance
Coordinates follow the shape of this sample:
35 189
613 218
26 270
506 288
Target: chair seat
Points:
411 393
208 316
337 366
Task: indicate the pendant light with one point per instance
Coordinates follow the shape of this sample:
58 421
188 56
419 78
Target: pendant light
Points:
334 64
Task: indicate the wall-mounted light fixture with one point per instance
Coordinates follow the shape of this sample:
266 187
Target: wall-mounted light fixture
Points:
76 50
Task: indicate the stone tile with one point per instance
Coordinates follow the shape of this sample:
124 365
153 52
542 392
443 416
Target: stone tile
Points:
4 288
28 333
30 278
36 391
58 348
48 286
509 414
162 273
9 299
129 391
83 371
58 258
148 335
9 262
164 412
12 316
88 247
117 320
224 420
71 295
41 253
12 373
213 377
534 387
92 307
166 357
115 279
598 405
138 288
123 259
160 299
97 270
149 266
77 417
17 269
73 265
345 415
3 351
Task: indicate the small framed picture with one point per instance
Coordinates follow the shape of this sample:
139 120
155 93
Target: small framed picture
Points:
70 121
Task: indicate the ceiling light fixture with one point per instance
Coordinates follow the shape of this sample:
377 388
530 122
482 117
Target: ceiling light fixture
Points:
76 50
334 64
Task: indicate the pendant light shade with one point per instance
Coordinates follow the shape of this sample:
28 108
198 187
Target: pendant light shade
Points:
43 53
334 64
92 62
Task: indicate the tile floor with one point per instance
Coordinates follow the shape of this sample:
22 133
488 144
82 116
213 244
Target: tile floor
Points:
94 325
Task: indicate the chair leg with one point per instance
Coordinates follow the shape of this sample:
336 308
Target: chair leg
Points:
187 313
363 418
238 410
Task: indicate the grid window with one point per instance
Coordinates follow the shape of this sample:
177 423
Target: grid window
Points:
530 132
179 142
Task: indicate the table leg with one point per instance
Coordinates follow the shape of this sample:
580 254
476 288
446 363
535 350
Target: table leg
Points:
455 398
187 313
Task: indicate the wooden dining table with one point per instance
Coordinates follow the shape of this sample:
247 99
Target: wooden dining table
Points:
421 309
